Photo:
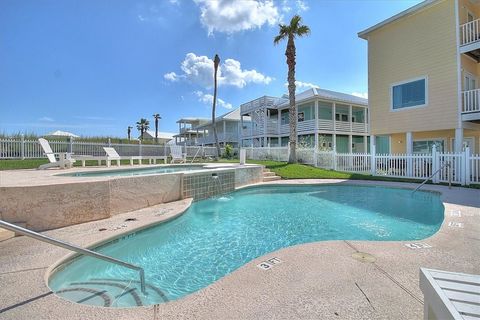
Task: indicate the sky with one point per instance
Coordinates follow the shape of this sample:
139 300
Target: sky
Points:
95 67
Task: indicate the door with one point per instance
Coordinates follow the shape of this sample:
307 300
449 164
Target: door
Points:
470 142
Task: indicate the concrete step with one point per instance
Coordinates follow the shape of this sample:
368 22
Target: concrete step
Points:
266 170
6 234
271 178
268 174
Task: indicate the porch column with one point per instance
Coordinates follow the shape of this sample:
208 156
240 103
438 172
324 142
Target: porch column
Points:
409 150
334 135
316 124
409 143
350 142
365 144
373 143
458 140
265 126
224 133
350 117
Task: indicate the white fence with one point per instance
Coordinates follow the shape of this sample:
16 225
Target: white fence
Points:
459 168
28 149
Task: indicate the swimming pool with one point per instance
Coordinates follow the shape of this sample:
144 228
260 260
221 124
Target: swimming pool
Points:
135 172
216 236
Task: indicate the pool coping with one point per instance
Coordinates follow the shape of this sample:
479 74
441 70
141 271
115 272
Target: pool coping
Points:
247 268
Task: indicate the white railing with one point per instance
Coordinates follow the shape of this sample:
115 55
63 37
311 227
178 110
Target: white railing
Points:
469 32
471 101
29 149
222 137
463 167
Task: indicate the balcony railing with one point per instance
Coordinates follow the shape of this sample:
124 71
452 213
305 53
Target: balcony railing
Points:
309 126
222 137
471 101
470 32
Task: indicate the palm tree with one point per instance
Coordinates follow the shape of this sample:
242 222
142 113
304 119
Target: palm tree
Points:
156 116
290 32
129 131
143 125
216 62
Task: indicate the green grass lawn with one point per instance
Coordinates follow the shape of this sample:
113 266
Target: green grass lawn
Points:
282 169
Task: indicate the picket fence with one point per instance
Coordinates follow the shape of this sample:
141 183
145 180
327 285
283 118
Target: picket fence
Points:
459 168
29 149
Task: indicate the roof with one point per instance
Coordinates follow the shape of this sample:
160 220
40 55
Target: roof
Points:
363 34
233 115
328 95
59 133
192 119
161 135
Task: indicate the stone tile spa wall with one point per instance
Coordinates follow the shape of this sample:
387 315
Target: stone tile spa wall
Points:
59 204
204 185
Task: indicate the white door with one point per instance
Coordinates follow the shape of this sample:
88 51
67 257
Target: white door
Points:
470 142
469 82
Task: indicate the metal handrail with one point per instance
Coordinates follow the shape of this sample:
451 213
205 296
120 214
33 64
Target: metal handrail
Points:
446 164
68 246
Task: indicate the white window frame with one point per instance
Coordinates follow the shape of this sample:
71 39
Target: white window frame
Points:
404 82
432 139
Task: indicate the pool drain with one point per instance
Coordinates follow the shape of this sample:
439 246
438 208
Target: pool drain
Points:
363 257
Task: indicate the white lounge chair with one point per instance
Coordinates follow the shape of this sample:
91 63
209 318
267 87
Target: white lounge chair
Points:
64 158
450 295
111 155
177 154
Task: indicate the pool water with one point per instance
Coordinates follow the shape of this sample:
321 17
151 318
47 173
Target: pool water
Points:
134 172
216 236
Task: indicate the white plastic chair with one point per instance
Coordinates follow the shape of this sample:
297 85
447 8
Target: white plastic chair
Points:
177 154
64 158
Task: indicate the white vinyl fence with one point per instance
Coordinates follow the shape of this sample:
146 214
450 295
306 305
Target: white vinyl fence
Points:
459 168
17 148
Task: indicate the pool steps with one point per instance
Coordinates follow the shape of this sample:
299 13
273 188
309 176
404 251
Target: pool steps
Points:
109 292
269 175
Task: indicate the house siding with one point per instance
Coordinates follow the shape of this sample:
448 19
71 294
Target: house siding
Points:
423 44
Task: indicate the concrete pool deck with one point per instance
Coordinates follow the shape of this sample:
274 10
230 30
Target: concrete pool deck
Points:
319 280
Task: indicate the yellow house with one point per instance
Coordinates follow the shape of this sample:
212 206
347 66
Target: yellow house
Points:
423 76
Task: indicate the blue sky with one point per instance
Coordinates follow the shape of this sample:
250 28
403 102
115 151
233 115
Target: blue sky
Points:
96 67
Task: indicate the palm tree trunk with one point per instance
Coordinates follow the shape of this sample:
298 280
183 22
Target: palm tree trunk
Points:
156 130
290 53
214 106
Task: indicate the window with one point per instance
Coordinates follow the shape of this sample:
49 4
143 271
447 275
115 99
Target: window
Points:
285 117
301 116
425 146
469 82
409 94
341 117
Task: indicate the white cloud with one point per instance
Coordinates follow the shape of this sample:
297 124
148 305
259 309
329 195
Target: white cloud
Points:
301 5
300 85
175 2
229 16
45 119
207 98
360 94
199 70
172 76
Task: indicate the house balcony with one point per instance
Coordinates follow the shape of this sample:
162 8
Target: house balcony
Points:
309 126
471 105
470 39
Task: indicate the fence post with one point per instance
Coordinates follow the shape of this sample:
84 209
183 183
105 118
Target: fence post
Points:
466 166
334 158
109 142
22 138
373 161
315 157
435 163
70 145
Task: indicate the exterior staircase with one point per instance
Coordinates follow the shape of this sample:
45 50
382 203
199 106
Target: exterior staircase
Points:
269 175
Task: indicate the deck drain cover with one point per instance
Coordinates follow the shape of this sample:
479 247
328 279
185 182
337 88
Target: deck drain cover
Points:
363 257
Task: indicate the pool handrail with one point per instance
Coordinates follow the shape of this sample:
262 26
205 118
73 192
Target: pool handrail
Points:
446 164
71 247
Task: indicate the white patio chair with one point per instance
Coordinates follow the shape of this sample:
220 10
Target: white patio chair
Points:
64 158
450 295
108 158
177 154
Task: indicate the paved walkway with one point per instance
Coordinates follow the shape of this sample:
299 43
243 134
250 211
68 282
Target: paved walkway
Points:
318 280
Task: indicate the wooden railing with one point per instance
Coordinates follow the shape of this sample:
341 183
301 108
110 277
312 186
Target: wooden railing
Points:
471 101
470 32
